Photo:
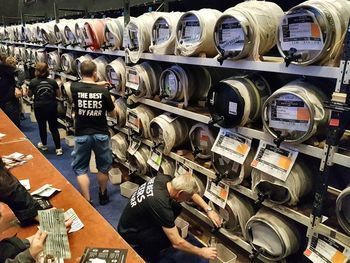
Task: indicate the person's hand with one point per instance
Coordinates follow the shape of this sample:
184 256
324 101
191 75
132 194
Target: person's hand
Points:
103 83
68 223
209 252
215 218
37 243
18 93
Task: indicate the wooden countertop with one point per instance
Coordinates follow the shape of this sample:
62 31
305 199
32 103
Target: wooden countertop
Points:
97 231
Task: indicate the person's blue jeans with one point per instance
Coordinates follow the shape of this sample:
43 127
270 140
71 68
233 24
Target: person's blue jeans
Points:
100 144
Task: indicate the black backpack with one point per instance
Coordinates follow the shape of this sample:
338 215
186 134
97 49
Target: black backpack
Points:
45 92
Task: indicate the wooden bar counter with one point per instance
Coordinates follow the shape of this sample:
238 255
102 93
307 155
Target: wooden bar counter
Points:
97 232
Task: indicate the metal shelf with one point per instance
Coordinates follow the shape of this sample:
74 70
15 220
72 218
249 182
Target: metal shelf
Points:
271 64
67 76
182 112
244 64
119 53
234 238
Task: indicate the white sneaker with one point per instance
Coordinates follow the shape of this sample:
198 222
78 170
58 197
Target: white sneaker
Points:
42 146
59 152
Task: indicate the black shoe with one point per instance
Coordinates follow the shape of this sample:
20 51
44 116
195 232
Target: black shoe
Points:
103 197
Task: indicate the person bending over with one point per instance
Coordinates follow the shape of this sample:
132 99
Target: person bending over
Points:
91 103
147 222
45 91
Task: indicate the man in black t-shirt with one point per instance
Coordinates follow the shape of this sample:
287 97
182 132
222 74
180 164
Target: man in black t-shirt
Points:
91 102
147 222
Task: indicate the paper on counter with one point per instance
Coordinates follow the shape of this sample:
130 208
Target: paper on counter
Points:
16 159
45 191
25 183
77 224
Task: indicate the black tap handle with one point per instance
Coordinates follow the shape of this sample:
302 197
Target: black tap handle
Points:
196 151
218 178
255 254
224 55
45 44
291 56
261 198
215 119
156 145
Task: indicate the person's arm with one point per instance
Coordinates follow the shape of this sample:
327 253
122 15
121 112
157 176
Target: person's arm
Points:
110 105
30 89
18 199
181 244
214 217
57 88
36 247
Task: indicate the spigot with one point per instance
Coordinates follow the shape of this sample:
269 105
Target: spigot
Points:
224 55
261 198
74 44
218 178
291 56
255 254
215 119
45 44
58 42
280 138
156 145
196 151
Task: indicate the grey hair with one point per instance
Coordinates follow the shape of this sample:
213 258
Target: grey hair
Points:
186 183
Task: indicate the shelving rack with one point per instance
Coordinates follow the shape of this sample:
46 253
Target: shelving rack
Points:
269 64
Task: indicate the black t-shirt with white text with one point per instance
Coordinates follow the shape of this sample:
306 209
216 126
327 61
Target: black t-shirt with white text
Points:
150 207
44 91
91 102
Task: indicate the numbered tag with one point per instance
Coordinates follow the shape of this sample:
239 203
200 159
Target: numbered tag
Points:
155 159
274 161
301 31
134 146
218 194
203 138
182 168
232 145
132 78
133 122
322 249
